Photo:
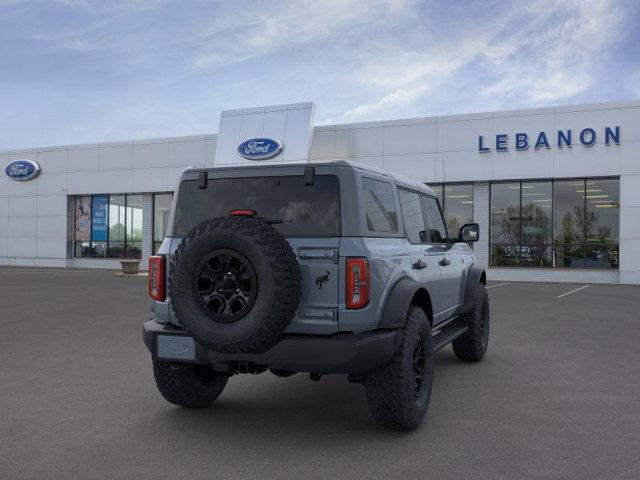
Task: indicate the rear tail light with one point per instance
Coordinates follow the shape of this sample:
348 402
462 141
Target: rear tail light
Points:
157 278
358 287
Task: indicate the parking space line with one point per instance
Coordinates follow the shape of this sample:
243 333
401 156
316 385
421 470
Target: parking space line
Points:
498 285
573 291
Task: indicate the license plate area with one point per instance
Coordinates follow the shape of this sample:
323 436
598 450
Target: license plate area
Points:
175 347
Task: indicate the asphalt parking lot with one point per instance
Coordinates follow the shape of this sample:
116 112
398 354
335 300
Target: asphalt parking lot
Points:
558 396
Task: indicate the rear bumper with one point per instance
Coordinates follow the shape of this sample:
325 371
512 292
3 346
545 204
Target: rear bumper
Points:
339 353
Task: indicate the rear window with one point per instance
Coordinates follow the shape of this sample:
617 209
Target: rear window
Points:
301 210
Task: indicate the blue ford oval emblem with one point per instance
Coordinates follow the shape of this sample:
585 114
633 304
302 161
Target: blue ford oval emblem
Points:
22 170
260 148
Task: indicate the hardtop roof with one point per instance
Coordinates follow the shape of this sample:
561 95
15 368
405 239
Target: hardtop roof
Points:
400 180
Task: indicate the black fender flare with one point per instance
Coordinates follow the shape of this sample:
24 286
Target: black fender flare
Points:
475 276
397 304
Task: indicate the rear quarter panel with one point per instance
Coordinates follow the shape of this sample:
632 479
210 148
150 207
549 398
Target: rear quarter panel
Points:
389 261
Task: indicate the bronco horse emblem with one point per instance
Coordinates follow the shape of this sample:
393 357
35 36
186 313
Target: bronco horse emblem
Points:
322 279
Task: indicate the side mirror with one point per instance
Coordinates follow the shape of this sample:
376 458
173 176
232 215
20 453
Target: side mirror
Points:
470 232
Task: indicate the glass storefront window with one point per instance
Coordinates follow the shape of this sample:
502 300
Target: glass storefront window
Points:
108 226
505 224
134 226
82 226
603 223
569 223
568 212
564 224
161 210
117 219
536 219
603 211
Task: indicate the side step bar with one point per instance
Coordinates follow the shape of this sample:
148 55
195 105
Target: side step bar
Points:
446 335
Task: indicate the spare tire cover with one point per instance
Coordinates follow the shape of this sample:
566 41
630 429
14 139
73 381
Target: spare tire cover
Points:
234 284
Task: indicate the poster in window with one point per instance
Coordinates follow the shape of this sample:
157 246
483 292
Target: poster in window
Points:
99 218
83 219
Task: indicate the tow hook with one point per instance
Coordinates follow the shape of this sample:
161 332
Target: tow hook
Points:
315 377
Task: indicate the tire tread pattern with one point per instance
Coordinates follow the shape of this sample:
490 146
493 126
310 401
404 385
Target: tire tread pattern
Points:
470 346
389 388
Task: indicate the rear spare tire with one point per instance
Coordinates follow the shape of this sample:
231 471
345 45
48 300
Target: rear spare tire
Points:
234 284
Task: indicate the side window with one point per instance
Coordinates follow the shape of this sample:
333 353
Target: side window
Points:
412 216
379 205
436 231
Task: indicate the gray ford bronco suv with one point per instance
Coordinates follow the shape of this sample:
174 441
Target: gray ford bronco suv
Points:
319 268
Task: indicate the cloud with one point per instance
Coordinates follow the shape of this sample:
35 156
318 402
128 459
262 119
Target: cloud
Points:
119 6
554 63
406 76
541 53
398 98
290 23
210 35
93 70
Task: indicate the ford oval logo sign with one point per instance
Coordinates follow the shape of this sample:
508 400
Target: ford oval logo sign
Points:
22 170
260 148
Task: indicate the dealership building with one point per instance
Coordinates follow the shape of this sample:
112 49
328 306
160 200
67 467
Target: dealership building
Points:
556 190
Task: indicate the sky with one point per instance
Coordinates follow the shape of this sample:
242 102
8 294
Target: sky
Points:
80 71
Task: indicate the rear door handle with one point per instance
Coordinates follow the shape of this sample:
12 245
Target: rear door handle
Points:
444 262
419 265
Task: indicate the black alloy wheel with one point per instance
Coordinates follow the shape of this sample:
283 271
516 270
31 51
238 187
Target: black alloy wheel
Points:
225 285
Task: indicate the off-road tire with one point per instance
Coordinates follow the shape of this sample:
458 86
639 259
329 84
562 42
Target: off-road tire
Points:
188 385
278 284
472 345
390 389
